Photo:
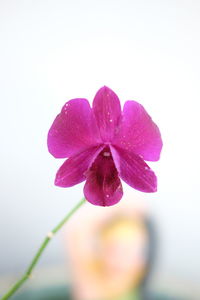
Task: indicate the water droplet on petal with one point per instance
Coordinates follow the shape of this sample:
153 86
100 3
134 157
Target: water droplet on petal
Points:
146 168
65 107
111 120
107 196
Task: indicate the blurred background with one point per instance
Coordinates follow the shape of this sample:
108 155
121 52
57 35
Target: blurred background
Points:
53 51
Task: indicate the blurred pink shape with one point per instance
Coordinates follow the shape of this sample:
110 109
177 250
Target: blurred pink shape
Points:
107 250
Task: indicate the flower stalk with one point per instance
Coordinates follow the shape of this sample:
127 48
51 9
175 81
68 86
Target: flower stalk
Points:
38 254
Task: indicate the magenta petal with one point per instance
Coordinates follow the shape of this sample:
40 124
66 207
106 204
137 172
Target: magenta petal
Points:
107 110
73 170
138 133
134 171
103 186
73 129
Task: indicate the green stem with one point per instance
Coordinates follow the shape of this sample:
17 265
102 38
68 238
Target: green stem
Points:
49 236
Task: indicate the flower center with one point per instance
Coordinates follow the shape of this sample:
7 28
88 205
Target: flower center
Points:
106 153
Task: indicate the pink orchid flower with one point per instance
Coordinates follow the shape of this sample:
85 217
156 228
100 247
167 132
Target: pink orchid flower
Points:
104 144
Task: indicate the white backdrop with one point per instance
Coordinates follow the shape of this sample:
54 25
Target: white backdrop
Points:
52 51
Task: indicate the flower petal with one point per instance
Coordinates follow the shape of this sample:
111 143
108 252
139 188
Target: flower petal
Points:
134 171
138 133
107 110
103 186
73 170
73 130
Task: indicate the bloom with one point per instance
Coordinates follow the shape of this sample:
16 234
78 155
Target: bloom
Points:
104 144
